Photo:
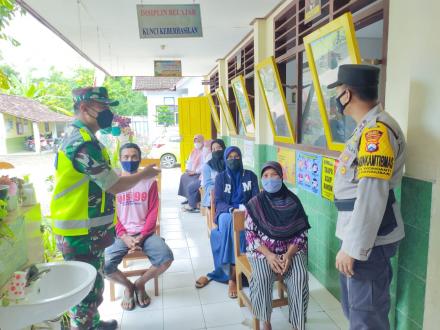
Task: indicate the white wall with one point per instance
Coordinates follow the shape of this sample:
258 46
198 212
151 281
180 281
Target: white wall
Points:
413 98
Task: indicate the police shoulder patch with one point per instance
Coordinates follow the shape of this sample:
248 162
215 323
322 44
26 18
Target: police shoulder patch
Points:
375 155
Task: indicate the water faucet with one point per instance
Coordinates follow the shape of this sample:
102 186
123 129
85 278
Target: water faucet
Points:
33 274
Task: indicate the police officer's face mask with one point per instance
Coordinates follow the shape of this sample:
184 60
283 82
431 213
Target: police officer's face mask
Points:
341 107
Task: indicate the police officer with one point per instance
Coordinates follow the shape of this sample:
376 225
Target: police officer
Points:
82 209
369 221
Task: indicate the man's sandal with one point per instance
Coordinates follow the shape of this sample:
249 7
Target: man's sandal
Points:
202 282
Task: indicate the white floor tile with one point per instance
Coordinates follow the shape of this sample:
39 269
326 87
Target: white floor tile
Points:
337 315
178 280
173 235
180 265
181 253
320 321
199 252
325 299
167 228
202 262
182 297
177 243
231 327
184 318
214 292
213 314
142 320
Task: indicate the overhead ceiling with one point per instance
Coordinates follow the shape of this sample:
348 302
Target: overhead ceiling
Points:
106 32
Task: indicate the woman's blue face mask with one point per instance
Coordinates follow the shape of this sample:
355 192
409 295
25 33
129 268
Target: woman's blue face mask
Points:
272 185
130 166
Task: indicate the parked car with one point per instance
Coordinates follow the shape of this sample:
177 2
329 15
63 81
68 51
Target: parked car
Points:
167 149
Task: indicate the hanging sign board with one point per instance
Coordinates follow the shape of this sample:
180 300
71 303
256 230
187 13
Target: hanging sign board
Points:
328 177
169 21
167 68
312 9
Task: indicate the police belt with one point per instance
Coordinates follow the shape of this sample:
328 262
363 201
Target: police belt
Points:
389 219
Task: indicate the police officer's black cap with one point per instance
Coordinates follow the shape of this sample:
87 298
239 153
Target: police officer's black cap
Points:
357 75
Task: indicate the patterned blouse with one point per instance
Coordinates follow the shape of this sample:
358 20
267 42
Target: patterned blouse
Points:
256 238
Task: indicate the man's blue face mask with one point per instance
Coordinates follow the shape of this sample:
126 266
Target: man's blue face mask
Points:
130 166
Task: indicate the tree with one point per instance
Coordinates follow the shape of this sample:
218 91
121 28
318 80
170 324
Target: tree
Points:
165 115
7 12
131 103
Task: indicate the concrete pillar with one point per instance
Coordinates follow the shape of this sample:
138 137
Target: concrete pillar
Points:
54 131
36 130
223 82
263 131
3 149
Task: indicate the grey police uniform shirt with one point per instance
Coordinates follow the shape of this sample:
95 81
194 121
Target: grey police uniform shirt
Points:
358 229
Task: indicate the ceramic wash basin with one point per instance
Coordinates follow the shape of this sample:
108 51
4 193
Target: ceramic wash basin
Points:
64 286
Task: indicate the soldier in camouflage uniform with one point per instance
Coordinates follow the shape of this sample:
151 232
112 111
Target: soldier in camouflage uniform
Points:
82 207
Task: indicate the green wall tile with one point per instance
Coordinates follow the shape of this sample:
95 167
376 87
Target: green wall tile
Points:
416 203
404 323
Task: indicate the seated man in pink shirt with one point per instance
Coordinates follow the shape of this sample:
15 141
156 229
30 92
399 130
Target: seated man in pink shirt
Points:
137 211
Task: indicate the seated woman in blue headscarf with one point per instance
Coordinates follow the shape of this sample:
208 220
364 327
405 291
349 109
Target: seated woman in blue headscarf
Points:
234 187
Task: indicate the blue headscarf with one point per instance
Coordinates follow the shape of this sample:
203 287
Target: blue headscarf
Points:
236 178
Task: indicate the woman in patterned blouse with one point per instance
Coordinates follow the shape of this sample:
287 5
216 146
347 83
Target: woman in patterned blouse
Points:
276 237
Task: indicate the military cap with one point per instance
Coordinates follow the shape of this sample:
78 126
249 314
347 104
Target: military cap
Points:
98 94
357 75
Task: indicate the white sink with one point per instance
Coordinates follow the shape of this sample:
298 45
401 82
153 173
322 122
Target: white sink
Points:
64 286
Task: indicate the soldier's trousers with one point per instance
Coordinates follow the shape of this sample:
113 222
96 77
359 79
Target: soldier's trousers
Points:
365 297
85 315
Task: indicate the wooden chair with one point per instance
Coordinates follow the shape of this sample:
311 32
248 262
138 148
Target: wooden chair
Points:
242 266
6 166
210 215
202 195
139 255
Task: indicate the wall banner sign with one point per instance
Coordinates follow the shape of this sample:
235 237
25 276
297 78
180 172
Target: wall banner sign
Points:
169 21
312 10
286 157
328 177
308 172
167 68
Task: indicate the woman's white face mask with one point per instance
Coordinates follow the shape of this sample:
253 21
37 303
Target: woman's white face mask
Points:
198 145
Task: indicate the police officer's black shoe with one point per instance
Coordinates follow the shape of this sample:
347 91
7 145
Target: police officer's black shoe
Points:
108 325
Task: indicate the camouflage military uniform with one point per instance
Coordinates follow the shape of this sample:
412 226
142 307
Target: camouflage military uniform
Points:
89 159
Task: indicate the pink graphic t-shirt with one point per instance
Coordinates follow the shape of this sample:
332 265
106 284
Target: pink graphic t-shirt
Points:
137 209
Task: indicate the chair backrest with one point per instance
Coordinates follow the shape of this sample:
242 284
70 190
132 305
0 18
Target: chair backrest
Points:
212 206
6 166
154 161
238 219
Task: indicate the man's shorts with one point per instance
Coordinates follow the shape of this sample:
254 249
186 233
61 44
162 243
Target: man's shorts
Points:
154 247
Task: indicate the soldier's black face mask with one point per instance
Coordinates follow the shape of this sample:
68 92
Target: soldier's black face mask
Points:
339 105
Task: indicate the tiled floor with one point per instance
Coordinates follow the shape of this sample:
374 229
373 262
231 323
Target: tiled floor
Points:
181 306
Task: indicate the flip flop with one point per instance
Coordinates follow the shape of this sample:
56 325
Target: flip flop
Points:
202 282
129 300
140 296
231 293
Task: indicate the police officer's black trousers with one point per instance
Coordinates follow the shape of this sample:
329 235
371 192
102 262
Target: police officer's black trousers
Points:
365 297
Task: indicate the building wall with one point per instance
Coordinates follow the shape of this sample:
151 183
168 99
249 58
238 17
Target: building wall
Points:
412 98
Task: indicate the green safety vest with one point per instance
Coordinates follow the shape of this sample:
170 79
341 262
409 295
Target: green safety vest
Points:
70 202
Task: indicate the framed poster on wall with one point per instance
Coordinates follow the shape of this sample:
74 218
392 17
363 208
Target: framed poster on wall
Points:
327 48
275 101
244 106
227 115
214 113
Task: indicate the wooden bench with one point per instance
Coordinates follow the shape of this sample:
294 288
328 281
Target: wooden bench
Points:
139 255
242 266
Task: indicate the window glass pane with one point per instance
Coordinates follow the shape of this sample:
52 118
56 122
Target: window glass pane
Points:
330 52
274 100
245 110
312 129
291 90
